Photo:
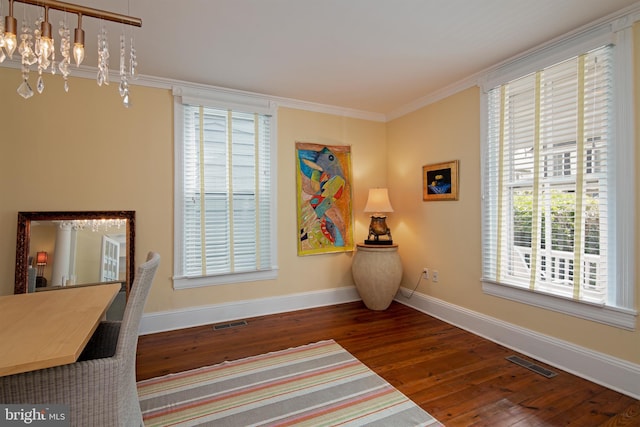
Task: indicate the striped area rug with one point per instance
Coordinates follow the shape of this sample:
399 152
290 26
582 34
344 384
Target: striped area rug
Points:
319 384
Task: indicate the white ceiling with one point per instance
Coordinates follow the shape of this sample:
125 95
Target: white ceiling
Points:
369 55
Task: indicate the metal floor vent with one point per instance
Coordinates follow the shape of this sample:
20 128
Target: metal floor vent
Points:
230 325
531 366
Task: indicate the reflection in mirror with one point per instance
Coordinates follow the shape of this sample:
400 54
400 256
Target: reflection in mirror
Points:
74 248
76 252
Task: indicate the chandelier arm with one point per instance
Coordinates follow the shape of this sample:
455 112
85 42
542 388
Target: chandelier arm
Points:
86 11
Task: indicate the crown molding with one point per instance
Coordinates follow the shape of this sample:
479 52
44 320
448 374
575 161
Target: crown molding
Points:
88 72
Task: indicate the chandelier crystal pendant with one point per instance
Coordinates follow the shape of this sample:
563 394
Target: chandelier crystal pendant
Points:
133 62
124 84
3 56
38 46
65 47
44 49
103 57
28 58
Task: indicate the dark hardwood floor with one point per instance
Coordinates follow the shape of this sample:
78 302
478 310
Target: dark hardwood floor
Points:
459 378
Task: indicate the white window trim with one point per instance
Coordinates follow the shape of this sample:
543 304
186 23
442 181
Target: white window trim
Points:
612 316
223 99
619 310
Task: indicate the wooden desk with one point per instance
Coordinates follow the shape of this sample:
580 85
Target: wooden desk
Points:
45 329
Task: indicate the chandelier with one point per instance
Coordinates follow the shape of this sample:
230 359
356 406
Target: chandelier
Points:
96 225
36 47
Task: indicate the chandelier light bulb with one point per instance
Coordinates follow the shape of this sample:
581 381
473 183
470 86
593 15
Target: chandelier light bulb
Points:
46 46
78 42
46 40
78 53
10 41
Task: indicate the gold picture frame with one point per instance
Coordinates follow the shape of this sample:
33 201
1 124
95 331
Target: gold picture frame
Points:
440 181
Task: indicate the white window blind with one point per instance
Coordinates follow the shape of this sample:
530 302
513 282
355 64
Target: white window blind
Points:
548 171
224 231
548 137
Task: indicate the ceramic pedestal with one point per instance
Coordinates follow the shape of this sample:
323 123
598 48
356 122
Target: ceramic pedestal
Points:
377 273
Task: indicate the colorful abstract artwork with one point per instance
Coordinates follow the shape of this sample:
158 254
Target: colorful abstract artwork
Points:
323 184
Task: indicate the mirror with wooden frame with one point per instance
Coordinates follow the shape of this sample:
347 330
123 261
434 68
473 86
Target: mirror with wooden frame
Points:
57 249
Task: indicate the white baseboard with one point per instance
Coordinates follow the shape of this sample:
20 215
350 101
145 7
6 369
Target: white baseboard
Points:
218 313
611 372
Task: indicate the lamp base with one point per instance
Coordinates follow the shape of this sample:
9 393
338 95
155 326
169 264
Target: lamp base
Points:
377 228
378 242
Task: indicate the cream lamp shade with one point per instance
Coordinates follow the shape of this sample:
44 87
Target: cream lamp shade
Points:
378 201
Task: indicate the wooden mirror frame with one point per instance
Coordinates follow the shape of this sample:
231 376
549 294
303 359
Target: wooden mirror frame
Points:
24 238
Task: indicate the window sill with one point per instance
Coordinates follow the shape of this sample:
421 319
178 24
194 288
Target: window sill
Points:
223 279
611 316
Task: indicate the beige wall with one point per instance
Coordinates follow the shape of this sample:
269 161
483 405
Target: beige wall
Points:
446 235
309 273
84 151
440 235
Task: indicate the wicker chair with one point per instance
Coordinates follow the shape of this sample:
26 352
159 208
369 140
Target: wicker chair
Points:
100 389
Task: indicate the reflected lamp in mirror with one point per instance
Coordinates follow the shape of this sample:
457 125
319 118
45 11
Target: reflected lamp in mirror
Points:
41 262
378 204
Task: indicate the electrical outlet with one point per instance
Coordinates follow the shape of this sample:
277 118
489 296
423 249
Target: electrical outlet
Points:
425 273
435 277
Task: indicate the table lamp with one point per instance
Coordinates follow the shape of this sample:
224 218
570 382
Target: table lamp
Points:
378 203
41 262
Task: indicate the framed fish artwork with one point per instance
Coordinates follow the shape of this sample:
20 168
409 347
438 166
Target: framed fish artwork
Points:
440 181
324 208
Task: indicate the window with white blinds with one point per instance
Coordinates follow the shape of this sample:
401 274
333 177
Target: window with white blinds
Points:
549 199
224 230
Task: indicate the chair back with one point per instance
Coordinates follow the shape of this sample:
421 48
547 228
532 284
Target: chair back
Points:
128 337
